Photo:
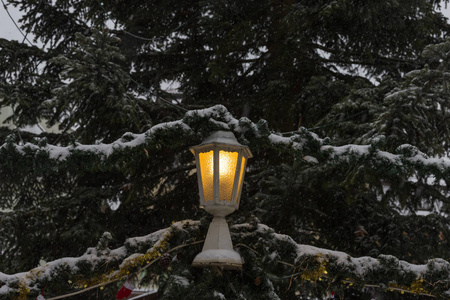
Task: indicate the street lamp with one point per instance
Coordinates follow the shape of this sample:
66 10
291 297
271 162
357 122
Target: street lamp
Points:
221 162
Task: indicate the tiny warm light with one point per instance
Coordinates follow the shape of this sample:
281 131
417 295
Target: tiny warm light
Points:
227 173
221 162
207 165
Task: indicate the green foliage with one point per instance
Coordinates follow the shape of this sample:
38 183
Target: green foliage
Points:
22 86
418 111
255 57
93 68
152 173
353 182
275 267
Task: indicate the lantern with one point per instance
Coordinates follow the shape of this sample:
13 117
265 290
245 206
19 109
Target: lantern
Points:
221 162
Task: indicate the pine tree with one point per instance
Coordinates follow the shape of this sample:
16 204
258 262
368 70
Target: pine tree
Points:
95 98
359 209
22 86
417 112
357 190
255 57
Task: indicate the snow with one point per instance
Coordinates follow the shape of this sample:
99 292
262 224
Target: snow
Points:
222 137
128 260
208 112
180 280
389 156
104 150
360 265
225 120
220 124
122 251
217 112
290 141
187 222
4 289
273 255
36 129
219 295
56 152
218 254
339 151
164 126
442 163
277 139
344 152
220 116
153 237
310 159
93 257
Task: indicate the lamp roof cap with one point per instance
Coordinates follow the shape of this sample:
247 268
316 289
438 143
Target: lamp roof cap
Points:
223 138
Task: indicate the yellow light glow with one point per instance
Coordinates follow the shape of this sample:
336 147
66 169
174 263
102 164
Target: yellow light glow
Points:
241 175
207 170
227 171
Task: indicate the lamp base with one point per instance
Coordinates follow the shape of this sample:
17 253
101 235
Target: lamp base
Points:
218 248
225 259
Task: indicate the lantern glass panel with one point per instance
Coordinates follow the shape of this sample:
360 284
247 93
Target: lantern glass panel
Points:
241 175
207 170
227 172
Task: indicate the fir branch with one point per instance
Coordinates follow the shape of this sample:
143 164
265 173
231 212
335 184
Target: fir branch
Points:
314 264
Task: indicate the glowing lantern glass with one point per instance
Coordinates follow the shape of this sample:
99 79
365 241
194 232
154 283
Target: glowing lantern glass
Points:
221 162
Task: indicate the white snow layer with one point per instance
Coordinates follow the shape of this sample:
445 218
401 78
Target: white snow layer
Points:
361 264
61 153
92 256
220 116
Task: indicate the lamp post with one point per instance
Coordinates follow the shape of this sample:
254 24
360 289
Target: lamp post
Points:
221 162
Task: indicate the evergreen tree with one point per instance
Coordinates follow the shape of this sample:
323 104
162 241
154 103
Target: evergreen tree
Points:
357 190
22 86
95 98
342 207
417 112
255 57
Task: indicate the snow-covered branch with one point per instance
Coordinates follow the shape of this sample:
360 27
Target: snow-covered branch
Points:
197 124
278 256
131 257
